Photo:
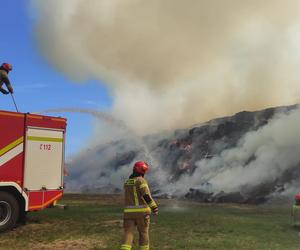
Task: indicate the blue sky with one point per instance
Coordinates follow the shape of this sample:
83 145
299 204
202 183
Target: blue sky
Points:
39 86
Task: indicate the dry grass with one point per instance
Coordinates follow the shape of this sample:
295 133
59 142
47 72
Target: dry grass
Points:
71 244
95 222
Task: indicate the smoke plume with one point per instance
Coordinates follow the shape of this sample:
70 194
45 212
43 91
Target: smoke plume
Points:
174 63
260 157
257 154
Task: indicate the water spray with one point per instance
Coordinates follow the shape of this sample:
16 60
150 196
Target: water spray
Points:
98 114
107 118
103 116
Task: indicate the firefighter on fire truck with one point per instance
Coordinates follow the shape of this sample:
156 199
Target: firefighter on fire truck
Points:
138 206
4 70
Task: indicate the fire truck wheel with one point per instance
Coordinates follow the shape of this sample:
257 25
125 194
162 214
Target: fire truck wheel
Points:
9 211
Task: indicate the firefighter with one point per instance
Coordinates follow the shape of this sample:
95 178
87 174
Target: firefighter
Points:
296 211
4 70
138 206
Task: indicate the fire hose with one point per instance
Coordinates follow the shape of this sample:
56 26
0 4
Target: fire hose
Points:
13 98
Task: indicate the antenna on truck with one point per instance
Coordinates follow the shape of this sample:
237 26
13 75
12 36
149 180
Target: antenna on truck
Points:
12 96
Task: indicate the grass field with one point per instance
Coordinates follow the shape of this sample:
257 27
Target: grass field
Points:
95 222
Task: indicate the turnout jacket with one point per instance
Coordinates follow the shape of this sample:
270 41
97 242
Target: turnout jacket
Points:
138 199
4 79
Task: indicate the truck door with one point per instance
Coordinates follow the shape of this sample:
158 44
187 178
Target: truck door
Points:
44 158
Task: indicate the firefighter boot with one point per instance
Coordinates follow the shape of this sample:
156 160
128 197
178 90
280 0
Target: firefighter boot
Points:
143 228
125 247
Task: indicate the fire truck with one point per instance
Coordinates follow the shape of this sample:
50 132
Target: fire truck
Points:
31 164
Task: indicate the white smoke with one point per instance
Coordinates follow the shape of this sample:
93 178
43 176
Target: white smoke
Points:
104 168
261 156
174 63
269 155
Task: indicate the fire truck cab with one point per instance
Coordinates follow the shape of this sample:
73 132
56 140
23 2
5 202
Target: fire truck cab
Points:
31 164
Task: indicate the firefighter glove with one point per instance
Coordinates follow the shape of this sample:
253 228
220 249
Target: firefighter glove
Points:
155 211
5 92
11 90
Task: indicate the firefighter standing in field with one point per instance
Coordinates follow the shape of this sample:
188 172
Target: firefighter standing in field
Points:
138 206
4 70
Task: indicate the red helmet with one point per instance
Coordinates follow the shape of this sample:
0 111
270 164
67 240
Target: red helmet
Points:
297 197
6 66
140 167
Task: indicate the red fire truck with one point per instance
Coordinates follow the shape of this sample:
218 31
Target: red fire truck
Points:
31 164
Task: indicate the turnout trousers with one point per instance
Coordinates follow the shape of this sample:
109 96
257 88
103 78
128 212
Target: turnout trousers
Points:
142 224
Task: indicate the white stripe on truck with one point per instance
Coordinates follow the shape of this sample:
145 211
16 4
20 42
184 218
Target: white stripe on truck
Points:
11 154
